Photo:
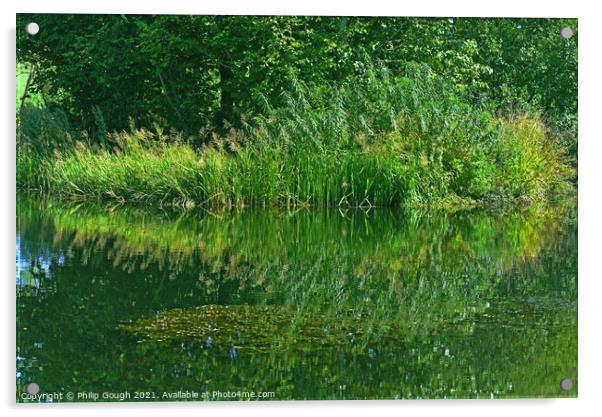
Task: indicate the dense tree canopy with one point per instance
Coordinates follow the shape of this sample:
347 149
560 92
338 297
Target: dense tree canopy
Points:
191 72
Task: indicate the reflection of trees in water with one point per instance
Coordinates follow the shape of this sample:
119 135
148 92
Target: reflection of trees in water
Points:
439 275
420 265
308 254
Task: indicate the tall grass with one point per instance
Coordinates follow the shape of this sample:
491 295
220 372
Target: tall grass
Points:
375 140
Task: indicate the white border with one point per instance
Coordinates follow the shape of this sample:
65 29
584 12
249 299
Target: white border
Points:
590 24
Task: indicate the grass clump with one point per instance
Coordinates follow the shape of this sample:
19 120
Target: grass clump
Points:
375 140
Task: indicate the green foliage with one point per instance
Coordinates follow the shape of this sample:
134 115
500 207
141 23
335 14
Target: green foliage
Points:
42 130
326 112
529 161
183 72
381 141
22 76
31 171
191 72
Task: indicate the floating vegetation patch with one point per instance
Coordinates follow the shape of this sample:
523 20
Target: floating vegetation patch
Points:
258 327
277 328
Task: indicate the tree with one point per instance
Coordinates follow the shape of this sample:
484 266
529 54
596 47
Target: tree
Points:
190 72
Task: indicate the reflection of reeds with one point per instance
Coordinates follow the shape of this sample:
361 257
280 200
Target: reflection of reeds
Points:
429 263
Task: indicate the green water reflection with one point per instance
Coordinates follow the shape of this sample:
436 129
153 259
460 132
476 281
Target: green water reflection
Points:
310 305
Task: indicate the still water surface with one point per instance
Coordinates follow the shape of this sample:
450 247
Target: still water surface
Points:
315 304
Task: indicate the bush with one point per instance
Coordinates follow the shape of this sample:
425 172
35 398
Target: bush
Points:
530 161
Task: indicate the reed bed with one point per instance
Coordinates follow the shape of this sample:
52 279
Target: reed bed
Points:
375 140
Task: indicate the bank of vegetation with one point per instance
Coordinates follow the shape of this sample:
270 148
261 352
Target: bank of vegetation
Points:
367 129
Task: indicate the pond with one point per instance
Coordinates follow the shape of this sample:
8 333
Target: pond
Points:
132 303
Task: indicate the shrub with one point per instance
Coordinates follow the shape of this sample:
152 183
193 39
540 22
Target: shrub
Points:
530 161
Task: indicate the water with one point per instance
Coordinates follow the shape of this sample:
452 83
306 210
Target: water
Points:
139 304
